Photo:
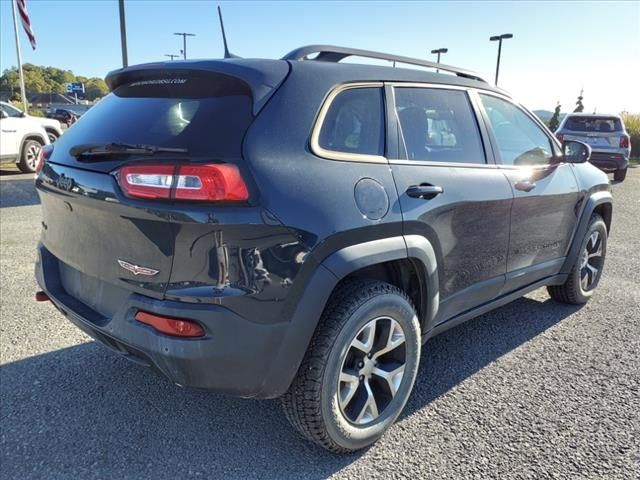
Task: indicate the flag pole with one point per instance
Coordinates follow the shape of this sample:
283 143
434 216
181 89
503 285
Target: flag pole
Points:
15 29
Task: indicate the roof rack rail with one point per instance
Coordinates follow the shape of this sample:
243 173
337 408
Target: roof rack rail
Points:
330 53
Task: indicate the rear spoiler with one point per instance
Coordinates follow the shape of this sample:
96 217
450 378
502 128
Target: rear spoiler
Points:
263 77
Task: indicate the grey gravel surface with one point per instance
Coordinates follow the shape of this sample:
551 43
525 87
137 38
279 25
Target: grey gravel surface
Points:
532 390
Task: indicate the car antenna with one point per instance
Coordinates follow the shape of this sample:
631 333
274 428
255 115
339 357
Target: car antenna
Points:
227 53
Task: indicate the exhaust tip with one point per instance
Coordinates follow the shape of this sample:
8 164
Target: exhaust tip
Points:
42 297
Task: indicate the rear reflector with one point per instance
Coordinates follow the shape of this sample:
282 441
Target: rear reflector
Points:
210 182
41 296
624 141
43 156
177 327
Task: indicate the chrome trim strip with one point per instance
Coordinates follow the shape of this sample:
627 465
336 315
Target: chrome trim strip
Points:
446 87
315 134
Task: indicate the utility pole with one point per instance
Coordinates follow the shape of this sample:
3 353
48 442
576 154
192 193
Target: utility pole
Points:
171 56
499 39
15 28
123 35
184 36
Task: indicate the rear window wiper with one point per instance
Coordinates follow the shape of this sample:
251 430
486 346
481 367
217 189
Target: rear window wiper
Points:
98 149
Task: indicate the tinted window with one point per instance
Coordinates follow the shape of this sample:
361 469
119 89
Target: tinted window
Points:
437 125
208 115
520 140
11 111
591 124
355 122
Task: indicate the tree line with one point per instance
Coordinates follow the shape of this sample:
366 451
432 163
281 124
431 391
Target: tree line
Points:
554 122
40 79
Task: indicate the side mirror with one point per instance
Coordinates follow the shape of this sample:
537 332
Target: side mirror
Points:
3 114
575 152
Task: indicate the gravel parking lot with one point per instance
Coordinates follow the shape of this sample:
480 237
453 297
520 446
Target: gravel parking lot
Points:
532 390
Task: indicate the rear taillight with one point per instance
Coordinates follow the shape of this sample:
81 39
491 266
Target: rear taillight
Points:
176 327
624 141
210 182
147 181
43 156
560 137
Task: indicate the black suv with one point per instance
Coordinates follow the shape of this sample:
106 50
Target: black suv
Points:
301 227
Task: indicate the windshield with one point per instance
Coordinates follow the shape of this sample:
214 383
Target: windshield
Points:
594 124
208 115
10 110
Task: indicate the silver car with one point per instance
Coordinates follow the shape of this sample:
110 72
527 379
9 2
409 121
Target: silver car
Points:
607 136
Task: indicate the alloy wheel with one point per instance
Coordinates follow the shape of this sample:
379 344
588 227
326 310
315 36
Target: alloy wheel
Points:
31 155
372 370
591 262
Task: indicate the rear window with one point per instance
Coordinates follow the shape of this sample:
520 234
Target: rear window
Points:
591 124
207 114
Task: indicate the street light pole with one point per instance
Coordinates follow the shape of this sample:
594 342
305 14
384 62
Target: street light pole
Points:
499 39
438 51
184 42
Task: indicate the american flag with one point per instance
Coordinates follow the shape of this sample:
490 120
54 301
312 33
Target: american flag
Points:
26 23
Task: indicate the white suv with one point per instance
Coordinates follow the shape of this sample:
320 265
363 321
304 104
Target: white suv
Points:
51 126
21 139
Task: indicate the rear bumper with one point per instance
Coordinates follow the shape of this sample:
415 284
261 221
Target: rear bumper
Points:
235 356
609 162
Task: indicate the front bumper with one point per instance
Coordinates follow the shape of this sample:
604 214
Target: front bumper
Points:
235 355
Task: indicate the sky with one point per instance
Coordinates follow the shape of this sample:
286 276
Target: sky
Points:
558 48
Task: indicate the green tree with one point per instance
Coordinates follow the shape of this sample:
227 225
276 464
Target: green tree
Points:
95 88
554 123
10 82
579 105
40 79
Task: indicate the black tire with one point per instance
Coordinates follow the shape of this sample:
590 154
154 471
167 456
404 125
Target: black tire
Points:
29 155
574 291
620 175
53 136
312 405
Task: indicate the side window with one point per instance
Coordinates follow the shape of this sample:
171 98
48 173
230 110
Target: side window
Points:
354 123
520 140
437 125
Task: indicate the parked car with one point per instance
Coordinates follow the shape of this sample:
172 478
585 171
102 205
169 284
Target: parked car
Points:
301 227
63 116
607 136
52 127
21 139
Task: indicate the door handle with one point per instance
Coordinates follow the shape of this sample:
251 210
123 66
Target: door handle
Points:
525 185
424 191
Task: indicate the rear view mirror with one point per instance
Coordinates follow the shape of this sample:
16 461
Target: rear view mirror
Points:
576 152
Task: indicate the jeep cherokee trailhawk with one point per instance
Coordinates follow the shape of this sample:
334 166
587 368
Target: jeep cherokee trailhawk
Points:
301 227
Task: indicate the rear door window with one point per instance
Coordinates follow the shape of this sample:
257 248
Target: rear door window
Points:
354 123
591 124
437 125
